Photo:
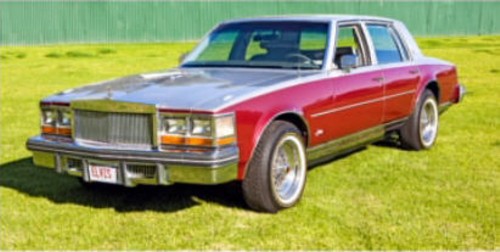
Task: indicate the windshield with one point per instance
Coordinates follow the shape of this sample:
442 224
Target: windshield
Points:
264 45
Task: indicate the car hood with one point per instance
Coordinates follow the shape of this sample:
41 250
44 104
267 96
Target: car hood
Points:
183 88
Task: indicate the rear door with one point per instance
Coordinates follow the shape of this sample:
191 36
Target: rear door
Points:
401 75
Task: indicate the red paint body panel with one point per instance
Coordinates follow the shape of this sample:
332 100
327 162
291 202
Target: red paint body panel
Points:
446 77
358 98
340 105
400 86
253 116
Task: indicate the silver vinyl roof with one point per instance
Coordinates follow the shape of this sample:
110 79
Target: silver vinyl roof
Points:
310 18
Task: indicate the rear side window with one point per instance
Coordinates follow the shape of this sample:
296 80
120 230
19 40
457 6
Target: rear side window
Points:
388 48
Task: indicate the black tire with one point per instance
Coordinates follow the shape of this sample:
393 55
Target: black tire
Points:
271 183
421 130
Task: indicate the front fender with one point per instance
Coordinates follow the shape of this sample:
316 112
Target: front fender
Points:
250 127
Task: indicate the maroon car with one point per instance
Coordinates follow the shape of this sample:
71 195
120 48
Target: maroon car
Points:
258 101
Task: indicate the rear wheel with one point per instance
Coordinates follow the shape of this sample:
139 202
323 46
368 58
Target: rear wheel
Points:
421 129
276 174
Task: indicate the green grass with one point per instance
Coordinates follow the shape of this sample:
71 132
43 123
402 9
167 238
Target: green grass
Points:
377 198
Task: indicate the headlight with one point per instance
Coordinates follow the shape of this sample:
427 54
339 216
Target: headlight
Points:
56 119
224 126
65 118
177 126
49 117
201 127
197 130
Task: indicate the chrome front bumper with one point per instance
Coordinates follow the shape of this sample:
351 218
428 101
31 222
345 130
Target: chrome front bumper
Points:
137 166
461 92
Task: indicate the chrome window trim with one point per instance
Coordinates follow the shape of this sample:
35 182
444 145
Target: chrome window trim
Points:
355 105
202 44
358 28
330 47
403 48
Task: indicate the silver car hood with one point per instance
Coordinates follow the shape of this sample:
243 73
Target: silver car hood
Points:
184 88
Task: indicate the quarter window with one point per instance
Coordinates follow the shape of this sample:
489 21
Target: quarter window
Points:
388 48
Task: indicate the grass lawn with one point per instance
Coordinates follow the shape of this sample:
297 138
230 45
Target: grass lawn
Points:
377 198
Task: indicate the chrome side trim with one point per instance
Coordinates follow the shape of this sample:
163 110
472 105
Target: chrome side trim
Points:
399 94
338 146
362 103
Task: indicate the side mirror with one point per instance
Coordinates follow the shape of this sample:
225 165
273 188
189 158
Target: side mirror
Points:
182 57
348 61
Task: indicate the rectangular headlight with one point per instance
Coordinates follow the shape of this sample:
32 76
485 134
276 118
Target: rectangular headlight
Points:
224 126
174 126
201 127
197 130
64 118
49 117
56 119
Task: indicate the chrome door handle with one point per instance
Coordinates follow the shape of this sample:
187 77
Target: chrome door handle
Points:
378 79
414 71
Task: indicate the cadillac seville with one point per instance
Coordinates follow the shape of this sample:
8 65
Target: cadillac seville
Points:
259 100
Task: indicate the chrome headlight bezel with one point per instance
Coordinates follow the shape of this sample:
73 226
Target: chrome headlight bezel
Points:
173 125
48 117
56 119
202 127
64 118
201 130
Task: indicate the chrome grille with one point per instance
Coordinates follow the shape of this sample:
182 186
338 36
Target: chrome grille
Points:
74 164
127 130
142 171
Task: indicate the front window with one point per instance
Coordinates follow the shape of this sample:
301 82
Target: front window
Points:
263 44
349 42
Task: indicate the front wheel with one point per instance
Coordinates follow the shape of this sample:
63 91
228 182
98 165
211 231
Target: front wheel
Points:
276 174
421 129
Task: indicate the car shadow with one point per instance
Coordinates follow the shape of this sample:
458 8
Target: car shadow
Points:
391 141
23 176
336 157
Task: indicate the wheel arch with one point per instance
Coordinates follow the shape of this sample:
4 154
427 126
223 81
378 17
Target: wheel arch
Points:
431 84
294 117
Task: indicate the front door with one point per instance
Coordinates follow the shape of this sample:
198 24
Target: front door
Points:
357 102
